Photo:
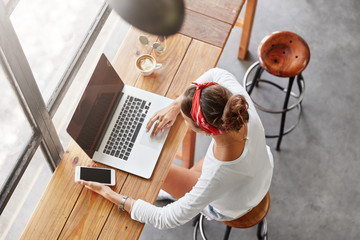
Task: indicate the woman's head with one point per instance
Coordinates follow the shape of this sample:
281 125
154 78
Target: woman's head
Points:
220 108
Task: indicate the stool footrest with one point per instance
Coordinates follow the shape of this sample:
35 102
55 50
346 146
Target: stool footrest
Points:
290 128
300 97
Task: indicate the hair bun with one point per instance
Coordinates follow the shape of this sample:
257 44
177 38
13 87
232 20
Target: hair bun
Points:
235 113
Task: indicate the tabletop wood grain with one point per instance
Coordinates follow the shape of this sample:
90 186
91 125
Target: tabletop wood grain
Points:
223 10
205 29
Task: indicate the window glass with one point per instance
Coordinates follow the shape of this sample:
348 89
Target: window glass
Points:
10 4
15 130
6 2
50 32
26 196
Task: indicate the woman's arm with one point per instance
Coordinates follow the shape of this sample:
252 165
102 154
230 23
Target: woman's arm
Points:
178 212
172 215
109 194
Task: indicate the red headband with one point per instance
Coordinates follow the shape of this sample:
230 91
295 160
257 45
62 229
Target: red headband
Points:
196 112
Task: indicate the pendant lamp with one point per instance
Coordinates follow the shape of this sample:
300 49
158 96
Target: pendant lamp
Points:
159 17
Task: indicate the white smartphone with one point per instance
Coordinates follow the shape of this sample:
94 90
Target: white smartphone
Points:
101 175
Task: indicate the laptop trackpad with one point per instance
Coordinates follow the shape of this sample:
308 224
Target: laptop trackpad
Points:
153 141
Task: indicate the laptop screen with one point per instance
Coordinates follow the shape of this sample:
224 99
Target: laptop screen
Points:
96 106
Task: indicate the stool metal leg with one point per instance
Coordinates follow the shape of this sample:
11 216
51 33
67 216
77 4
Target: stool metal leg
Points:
201 225
262 230
300 81
257 75
196 219
196 226
227 232
283 115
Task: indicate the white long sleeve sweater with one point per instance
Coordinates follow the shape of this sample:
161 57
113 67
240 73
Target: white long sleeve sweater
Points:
231 188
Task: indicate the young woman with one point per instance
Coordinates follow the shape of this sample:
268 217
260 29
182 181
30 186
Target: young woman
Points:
236 172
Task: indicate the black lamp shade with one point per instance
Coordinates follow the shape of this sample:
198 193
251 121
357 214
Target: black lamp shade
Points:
159 17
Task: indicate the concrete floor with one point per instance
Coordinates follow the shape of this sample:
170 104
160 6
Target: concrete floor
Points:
315 188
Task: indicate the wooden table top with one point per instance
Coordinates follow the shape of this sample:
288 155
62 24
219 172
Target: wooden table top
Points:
68 210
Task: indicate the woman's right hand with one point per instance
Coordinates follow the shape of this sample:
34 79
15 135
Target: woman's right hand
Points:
99 188
164 118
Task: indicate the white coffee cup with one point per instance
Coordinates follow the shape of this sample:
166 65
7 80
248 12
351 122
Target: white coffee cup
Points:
146 64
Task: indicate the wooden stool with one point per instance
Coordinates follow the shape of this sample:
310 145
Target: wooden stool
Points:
255 216
286 55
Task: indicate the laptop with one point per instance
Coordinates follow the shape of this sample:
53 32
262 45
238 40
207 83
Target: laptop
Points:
109 123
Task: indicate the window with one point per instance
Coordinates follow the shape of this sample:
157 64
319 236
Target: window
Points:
47 52
25 197
50 33
14 126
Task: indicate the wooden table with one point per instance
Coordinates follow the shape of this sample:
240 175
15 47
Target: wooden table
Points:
69 211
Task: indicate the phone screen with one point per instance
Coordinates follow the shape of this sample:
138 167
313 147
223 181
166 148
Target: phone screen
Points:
95 175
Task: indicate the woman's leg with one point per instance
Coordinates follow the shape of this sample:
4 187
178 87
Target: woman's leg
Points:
180 180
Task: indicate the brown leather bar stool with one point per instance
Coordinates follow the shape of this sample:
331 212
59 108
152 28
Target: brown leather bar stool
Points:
285 55
255 217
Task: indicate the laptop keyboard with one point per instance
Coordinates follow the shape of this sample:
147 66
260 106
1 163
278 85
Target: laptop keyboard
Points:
127 127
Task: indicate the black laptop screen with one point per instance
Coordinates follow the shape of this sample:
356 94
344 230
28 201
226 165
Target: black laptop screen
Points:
96 106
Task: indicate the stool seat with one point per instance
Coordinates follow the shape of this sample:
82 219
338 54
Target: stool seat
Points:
255 216
283 54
